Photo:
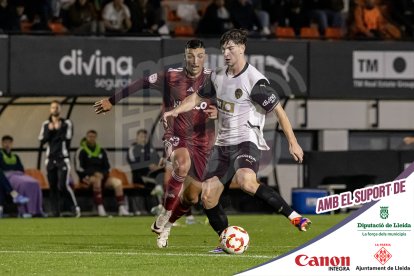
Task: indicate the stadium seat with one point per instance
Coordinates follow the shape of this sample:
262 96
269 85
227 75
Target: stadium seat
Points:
333 33
172 15
309 32
57 27
184 30
284 32
123 177
37 174
25 26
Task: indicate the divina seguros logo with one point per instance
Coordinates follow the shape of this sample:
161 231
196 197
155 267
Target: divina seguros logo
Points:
108 68
333 263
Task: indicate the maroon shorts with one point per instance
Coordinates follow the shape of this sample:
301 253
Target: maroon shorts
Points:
198 154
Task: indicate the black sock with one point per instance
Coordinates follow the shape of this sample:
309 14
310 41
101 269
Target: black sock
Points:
272 198
217 218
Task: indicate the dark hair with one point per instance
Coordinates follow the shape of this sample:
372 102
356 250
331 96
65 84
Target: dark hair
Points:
238 36
92 131
142 131
55 101
6 137
194 44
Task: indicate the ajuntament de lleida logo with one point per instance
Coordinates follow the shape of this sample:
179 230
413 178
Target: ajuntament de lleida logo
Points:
384 212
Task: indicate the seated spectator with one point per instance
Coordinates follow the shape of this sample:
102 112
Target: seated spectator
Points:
92 166
59 8
216 20
368 22
116 17
38 13
144 159
326 13
9 18
25 185
145 17
7 189
187 12
289 13
244 16
262 14
402 13
83 18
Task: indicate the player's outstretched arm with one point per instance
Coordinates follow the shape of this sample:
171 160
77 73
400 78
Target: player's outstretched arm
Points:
102 106
294 148
186 105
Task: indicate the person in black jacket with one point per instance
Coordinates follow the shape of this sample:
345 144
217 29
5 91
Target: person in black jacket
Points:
57 133
216 20
92 166
142 157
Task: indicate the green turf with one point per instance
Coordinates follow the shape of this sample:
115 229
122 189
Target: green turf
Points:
125 246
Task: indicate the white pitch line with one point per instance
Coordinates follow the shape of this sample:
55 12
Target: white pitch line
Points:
134 254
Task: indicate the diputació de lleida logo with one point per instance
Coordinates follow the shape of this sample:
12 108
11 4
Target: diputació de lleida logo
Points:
384 212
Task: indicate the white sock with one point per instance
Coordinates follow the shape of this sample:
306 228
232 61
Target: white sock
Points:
294 215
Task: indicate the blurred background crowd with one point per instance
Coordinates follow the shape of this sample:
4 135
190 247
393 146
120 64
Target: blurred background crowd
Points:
345 19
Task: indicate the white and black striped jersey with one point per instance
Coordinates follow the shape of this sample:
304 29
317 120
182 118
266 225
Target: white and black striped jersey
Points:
243 101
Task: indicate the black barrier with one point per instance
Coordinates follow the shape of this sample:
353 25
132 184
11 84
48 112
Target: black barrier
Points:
359 168
283 63
362 70
4 61
78 66
88 66
406 158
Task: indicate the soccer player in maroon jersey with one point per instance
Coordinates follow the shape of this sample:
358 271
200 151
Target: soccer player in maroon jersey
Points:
188 138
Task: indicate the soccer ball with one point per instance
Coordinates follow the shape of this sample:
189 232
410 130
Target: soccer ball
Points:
234 240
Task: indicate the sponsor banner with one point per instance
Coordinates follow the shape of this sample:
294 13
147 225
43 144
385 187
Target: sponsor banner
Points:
378 239
4 61
79 66
365 70
283 63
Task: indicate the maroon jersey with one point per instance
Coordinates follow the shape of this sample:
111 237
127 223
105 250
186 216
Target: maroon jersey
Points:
193 127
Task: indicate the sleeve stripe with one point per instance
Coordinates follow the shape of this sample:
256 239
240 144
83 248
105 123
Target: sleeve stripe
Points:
131 154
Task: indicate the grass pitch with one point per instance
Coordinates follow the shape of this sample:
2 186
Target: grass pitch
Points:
126 246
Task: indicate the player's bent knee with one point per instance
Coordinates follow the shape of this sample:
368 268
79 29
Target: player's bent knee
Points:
181 164
116 183
181 167
246 178
209 201
190 200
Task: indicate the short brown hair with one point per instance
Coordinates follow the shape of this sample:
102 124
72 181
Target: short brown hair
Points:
142 131
92 131
238 36
7 138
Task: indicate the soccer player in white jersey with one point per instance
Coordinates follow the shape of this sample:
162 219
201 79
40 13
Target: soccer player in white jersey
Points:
244 97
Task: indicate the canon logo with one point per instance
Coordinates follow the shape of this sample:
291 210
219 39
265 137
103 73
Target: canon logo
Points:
77 64
304 260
